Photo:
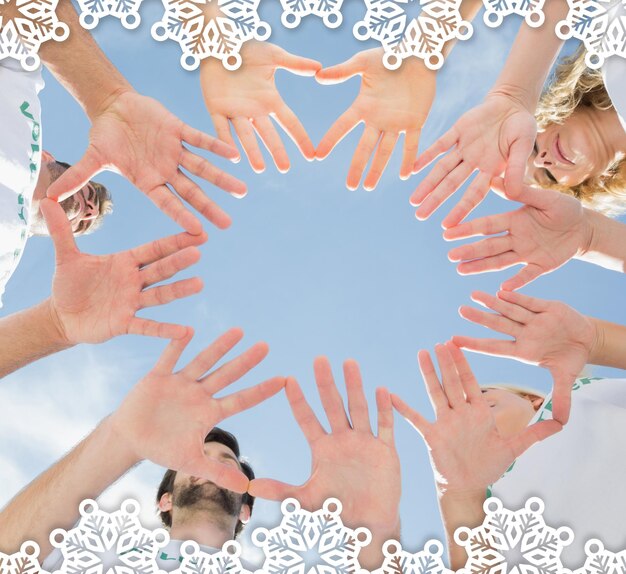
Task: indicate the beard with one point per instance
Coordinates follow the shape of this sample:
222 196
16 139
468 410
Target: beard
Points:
208 496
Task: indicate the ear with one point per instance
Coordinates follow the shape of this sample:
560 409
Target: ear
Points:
244 514
165 504
47 156
537 402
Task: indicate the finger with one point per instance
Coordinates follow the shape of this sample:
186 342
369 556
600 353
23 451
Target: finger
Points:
443 190
363 152
495 347
223 475
489 225
168 266
516 313
168 293
419 423
451 382
470 386
329 395
150 252
357 403
272 489
533 304
381 159
534 433
268 134
534 196
410 149
519 152
296 64
76 176
526 275
481 249
475 193
437 397
440 146
169 357
437 174
150 328
207 358
222 129
295 130
247 137
60 230
223 148
340 129
248 398
496 263
562 395
340 72
235 369
207 171
490 321
302 412
168 203
385 416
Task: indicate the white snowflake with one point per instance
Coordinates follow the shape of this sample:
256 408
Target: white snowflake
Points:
196 561
23 562
427 561
25 25
517 542
328 10
201 36
591 22
91 11
602 561
109 543
311 542
402 36
530 10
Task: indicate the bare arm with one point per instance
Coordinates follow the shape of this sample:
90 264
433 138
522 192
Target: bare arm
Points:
610 347
607 242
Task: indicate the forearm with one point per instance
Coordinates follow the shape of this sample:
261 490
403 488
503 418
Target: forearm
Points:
81 66
29 335
606 244
610 347
468 11
460 509
531 57
52 500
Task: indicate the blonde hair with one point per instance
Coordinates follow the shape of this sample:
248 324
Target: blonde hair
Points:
524 392
576 85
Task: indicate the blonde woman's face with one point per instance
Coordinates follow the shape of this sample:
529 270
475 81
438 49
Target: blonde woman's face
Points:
511 411
570 153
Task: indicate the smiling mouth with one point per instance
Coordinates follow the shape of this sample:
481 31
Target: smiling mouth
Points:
559 152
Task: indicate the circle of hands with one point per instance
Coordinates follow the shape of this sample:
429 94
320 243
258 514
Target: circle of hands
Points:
95 298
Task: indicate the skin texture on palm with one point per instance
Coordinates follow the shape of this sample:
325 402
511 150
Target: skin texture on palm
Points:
248 99
545 333
350 463
493 138
96 297
389 103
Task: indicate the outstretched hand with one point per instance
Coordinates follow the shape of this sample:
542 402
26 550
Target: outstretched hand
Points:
542 235
493 138
95 297
546 333
248 99
167 415
390 103
141 139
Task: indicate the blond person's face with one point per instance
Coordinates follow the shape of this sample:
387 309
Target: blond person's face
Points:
585 145
511 411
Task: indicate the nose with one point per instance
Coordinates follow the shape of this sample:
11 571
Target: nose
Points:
542 159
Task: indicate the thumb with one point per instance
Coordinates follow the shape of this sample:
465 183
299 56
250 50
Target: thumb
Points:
519 152
223 475
271 489
561 395
296 64
60 229
75 177
534 433
340 72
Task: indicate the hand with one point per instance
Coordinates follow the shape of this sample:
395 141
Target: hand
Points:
390 103
543 235
467 451
350 463
495 136
167 415
139 138
248 98
95 297
546 333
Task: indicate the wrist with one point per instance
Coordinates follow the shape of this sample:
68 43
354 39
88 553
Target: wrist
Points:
588 233
103 102
119 436
517 95
596 349
52 325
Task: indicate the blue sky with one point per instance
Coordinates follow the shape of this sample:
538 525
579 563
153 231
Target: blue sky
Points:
306 266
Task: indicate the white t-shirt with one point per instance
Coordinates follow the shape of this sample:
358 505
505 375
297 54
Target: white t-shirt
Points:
579 473
20 159
614 69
